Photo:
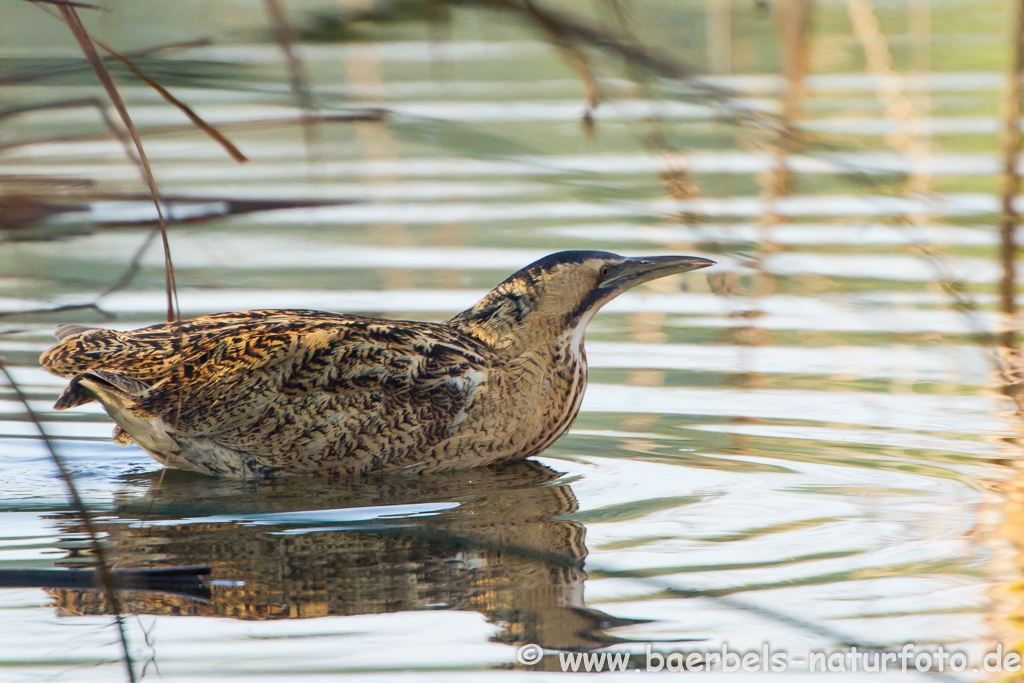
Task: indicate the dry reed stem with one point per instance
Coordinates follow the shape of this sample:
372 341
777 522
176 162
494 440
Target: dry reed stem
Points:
898 107
103 568
85 42
196 120
1011 148
297 79
74 22
134 266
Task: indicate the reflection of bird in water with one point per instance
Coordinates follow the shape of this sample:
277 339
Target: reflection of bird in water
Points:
269 392
504 551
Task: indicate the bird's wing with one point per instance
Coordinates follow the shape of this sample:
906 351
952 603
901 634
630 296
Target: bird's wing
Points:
216 372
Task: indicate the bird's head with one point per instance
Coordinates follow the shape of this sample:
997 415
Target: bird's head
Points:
560 293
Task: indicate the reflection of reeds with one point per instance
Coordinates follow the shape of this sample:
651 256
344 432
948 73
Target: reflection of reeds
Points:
794 31
1006 595
1011 148
908 138
794 19
898 107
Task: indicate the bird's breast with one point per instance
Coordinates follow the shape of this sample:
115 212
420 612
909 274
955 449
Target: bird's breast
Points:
523 406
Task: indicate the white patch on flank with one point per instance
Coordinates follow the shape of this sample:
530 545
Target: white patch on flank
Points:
469 383
150 432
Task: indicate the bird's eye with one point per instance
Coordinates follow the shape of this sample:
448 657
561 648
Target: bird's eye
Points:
604 271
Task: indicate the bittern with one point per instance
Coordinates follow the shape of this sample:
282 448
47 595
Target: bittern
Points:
263 393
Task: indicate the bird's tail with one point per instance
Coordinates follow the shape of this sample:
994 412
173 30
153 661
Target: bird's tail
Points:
83 388
119 395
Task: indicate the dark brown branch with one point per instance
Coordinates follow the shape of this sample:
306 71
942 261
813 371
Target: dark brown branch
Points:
577 29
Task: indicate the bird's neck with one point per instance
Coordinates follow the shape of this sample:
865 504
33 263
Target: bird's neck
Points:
509 321
504 321
542 372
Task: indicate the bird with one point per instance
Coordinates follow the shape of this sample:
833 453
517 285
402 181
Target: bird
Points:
265 393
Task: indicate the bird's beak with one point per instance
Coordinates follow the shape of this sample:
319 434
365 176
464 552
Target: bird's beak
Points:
633 271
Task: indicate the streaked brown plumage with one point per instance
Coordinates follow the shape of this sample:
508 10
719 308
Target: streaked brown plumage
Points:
261 393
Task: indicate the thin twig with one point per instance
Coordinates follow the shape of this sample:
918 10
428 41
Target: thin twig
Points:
96 102
133 266
70 3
